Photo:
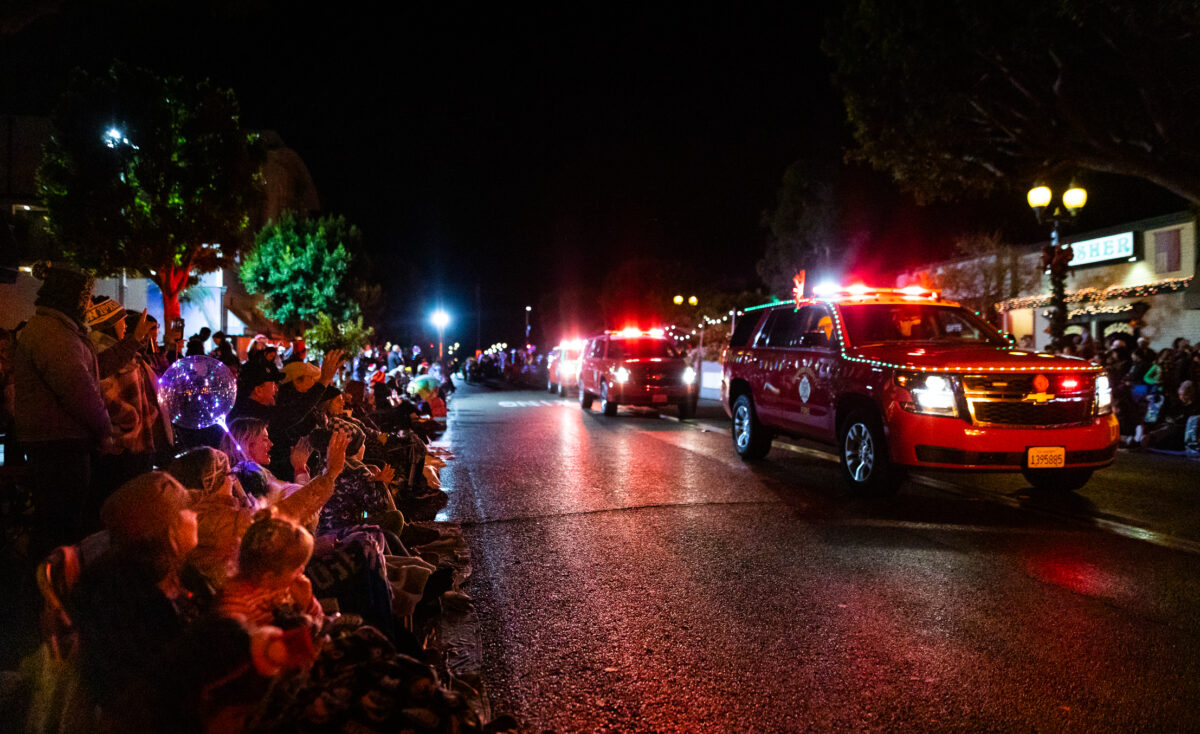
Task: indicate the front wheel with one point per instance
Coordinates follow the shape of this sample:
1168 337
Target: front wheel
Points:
562 389
751 439
607 404
866 465
1057 480
585 398
550 387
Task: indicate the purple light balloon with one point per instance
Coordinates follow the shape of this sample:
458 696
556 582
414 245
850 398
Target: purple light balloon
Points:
197 392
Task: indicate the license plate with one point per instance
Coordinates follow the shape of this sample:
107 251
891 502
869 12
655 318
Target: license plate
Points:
658 398
1046 457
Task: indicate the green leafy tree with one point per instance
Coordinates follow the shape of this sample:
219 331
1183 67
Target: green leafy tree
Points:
802 227
150 175
305 268
949 96
326 335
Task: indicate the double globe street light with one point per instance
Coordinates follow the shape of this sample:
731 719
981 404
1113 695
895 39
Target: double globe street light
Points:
440 319
1056 257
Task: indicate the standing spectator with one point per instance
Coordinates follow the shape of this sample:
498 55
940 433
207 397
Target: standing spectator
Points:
58 410
395 358
195 344
223 351
140 431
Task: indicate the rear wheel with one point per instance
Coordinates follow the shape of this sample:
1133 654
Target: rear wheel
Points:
585 398
866 464
606 403
751 439
1057 480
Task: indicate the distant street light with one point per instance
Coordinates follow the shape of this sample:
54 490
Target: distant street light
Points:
527 310
441 320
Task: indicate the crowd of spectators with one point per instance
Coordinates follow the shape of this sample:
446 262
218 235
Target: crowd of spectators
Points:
1154 392
263 578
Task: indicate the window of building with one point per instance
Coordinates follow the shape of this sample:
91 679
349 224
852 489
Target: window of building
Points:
1167 251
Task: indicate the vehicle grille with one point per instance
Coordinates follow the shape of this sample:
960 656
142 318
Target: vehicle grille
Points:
656 376
1032 414
1005 400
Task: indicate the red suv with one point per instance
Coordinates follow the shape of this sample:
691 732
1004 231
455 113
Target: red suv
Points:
562 367
900 378
634 367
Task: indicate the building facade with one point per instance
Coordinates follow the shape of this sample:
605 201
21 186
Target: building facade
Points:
1139 278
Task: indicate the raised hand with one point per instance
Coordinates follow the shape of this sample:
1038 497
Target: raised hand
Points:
329 367
335 455
143 328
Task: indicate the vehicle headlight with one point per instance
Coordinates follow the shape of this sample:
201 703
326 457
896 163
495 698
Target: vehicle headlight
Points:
932 394
621 375
1103 395
689 375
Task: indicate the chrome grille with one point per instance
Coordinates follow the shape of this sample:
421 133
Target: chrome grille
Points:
1005 399
656 375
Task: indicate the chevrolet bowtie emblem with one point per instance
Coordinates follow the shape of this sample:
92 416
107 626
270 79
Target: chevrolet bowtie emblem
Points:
1040 384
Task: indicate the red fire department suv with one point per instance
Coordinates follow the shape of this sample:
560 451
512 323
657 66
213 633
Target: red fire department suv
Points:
634 367
899 378
562 368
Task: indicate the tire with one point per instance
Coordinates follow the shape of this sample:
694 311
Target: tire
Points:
562 390
608 407
751 439
687 409
1057 480
866 464
585 398
550 386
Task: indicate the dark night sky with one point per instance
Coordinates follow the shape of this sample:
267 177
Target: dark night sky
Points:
515 149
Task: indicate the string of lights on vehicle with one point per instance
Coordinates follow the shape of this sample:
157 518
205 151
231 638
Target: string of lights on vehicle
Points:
833 294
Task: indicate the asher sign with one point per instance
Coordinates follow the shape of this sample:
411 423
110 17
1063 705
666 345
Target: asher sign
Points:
1103 249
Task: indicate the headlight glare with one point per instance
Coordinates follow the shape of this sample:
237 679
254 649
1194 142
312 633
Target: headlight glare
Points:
1103 395
689 375
931 394
621 375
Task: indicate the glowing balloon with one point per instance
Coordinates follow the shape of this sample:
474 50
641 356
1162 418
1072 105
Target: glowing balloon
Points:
197 392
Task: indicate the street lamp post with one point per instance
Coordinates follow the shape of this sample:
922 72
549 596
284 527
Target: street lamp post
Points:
1056 257
440 319
527 310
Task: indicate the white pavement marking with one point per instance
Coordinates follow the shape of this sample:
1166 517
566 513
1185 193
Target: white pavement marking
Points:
534 403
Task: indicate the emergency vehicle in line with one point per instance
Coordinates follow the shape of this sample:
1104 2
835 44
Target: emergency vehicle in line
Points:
900 378
562 367
633 367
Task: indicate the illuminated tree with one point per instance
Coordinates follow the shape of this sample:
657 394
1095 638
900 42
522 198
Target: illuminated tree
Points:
150 175
949 96
305 268
991 271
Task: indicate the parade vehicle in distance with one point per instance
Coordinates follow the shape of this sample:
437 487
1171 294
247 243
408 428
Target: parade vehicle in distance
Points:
633 367
562 367
900 378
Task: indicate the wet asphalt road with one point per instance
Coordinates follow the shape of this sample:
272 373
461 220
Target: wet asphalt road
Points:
632 574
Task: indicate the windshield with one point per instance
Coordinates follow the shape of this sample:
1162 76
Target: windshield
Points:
641 348
879 323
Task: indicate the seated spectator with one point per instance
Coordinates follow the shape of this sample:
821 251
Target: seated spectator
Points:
1168 433
222 350
270 587
137 598
224 511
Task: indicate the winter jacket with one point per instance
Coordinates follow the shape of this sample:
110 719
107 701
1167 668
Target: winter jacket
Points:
57 383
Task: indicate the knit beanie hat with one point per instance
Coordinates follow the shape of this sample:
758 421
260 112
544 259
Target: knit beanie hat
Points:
104 313
144 508
65 289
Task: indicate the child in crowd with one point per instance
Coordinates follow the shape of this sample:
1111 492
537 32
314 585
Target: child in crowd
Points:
270 587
